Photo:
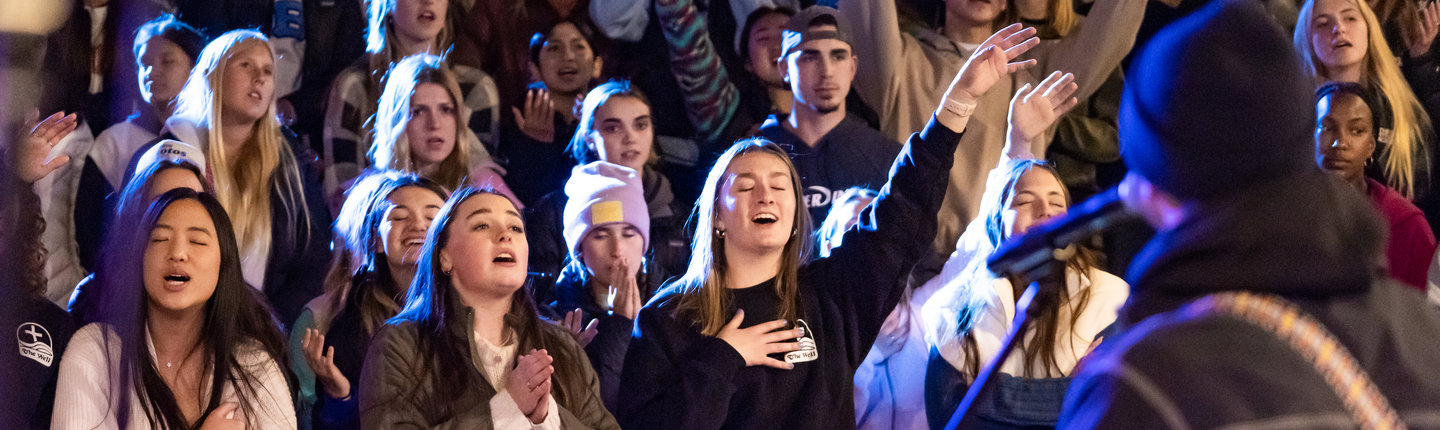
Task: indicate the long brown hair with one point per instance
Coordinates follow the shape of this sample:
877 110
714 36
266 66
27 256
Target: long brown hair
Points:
382 49
444 359
391 147
359 272
1039 348
22 259
1405 18
704 298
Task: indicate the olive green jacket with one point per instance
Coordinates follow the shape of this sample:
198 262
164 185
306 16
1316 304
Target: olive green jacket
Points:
395 392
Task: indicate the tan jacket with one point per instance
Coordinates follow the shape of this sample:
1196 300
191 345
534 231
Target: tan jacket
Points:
904 75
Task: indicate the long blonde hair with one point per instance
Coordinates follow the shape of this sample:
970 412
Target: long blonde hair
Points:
242 185
391 147
1407 158
703 293
381 45
971 298
1059 16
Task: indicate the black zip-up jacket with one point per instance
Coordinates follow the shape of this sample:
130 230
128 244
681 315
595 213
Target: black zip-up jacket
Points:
675 377
1168 372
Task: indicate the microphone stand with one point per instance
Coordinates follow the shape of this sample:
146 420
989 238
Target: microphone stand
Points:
1039 256
1027 308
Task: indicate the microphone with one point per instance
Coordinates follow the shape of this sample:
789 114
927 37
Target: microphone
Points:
1049 241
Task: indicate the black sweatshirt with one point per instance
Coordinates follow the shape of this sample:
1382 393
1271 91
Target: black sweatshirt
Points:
675 377
30 366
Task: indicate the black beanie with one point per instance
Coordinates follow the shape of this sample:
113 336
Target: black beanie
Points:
1216 102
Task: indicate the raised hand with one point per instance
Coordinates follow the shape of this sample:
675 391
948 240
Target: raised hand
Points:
757 342
41 137
225 417
538 118
323 364
1034 109
991 62
530 382
624 295
583 333
1429 26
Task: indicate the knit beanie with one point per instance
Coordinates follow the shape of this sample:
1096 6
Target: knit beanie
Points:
1217 101
602 193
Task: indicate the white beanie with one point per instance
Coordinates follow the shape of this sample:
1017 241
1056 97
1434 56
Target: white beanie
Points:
172 150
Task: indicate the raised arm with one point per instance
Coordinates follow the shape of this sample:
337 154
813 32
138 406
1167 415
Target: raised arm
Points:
620 19
711 100
867 274
1033 110
879 47
1103 39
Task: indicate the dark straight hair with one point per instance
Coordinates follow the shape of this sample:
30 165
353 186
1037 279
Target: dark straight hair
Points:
444 359
130 209
235 315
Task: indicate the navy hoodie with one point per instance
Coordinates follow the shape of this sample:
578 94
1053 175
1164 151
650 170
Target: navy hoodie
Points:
1166 371
675 377
851 155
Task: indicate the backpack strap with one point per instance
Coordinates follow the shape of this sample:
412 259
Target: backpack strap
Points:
1312 341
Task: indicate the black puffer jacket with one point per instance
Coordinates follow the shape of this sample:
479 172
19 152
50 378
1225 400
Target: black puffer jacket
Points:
1221 372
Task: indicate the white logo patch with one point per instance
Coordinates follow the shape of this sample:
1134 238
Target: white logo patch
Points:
35 343
808 351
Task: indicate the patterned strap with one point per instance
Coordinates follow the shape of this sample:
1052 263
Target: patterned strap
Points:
1313 342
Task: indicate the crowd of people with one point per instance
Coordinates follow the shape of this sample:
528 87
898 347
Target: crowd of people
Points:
728 214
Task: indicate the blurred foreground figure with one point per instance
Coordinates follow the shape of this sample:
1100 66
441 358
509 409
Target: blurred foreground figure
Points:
1243 314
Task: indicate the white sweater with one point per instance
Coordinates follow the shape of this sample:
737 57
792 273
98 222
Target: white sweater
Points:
1107 294
86 399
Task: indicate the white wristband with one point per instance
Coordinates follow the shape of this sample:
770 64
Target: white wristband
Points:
957 108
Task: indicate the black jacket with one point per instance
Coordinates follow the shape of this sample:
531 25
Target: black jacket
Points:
675 377
347 336
851 154
534 168
1214 372
42 330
